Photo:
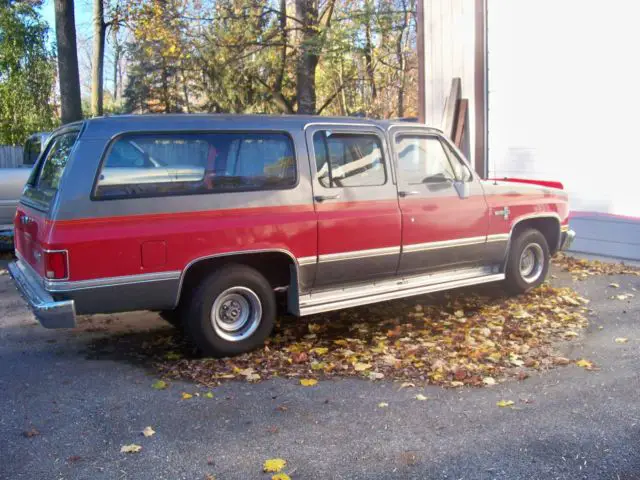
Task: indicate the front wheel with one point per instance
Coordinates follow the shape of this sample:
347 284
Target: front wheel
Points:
231 312
528 262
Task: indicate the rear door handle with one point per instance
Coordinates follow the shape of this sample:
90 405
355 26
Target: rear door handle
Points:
408 193
322 198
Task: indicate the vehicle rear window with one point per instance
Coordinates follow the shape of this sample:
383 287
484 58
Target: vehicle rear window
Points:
148 165
45 179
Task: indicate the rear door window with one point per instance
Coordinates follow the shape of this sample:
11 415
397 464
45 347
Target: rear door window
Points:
159 164
45 179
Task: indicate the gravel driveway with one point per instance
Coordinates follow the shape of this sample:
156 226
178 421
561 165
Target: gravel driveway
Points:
66 411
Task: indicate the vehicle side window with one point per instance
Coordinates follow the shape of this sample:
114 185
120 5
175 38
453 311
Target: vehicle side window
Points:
422 159
461 169
348 160
147 165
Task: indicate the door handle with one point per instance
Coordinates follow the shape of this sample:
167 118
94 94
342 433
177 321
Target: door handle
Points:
408 193
322 198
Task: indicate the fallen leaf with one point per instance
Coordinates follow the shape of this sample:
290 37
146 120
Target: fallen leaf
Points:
584 363
407 385
505 403
254 377
160 385
208 395
308 382
561 361
280 476
621 340
31 433
376 375
186 396
133 448
614 285
172 356
383 405
489 381
319 350
457 384
148 432
208 476
246 372
361 367
421 397
274 465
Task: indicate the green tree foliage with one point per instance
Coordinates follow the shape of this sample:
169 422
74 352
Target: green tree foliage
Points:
27 72
345 57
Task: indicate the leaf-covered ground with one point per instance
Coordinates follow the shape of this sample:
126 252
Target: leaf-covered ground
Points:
581 269
452 340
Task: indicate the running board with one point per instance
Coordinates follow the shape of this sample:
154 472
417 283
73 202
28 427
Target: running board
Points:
382 291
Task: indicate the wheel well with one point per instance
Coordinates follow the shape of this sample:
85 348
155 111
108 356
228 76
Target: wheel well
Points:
548 226
275 266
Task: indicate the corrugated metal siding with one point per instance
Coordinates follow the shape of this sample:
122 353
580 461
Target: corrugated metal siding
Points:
563 102
10 156
449 53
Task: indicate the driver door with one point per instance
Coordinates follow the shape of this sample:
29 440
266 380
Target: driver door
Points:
445 216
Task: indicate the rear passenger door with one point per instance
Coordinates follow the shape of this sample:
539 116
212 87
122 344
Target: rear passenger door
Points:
445 217
355 199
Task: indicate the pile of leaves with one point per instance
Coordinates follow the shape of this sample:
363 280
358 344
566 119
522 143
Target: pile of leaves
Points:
452 340
582 269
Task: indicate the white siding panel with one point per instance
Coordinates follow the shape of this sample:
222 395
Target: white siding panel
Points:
563 97
449 53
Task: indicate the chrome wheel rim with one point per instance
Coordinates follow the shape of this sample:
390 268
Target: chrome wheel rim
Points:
236 314
531 262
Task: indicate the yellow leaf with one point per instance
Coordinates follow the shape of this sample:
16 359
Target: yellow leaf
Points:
173 356
148 432
584 363
274 465
457 384
421 397
314 328
308 382
160 385
621 340
280 476
505 403
133 448
186 396
208 395
614 285
383 405
361 367
320 350
254 377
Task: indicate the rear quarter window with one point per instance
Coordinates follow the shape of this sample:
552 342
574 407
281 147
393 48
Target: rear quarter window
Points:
44 183
160 164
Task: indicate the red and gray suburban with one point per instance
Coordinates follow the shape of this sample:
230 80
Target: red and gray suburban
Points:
208 219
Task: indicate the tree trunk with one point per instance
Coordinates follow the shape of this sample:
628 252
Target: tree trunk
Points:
70 101
368 58
97 64
307 17
116 66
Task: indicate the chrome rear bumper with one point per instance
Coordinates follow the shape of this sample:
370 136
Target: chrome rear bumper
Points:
50 313
567 239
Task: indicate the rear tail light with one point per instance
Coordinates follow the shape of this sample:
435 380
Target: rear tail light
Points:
56 265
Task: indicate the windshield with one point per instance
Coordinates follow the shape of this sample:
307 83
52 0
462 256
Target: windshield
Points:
45 180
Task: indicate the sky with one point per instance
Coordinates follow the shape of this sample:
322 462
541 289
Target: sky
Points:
84 33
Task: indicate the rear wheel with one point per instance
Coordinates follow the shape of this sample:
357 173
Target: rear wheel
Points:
232 311
528 262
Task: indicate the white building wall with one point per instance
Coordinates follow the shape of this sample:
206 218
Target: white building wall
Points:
564 98
449 53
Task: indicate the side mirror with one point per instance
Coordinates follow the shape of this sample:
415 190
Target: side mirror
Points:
437 178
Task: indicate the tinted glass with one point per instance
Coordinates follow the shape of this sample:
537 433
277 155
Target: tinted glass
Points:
460 168
348 160
181 164
31 151
44 182
422 160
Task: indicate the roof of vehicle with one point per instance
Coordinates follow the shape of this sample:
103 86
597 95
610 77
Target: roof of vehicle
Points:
199 120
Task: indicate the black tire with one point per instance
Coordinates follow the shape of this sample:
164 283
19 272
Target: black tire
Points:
206 333
517 281
173 317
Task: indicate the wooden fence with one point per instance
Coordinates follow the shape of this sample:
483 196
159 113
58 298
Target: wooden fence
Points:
10 156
